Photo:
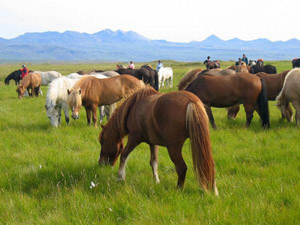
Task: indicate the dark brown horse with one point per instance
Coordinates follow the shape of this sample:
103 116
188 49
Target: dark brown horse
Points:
296 62
161 119
226 91
274 84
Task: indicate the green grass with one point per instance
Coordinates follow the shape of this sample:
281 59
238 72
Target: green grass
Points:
46 173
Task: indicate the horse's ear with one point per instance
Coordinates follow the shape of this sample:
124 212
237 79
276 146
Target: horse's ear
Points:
68 91
79 91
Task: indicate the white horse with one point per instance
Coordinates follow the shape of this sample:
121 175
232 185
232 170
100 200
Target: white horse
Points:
48 76
290 92
56 100
165 74
78 76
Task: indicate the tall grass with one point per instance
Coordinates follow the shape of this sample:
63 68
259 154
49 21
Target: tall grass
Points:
46 173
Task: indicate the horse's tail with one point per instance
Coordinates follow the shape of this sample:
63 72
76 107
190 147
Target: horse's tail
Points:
197 123
263 106
156 80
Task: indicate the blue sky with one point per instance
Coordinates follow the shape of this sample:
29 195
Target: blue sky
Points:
173 20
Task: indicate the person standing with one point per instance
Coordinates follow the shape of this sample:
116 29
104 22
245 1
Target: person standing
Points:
245 59
159 65
131 65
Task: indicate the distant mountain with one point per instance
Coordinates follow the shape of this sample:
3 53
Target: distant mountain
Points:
108 45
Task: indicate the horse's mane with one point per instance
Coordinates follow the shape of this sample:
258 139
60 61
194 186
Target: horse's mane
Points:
116 129
188 78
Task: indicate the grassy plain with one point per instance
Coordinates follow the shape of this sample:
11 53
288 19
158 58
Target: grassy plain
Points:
46 173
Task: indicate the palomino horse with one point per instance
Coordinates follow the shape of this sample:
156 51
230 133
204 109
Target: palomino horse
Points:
92 92
161 119
165 74
30 82
274 84
226 91
290 93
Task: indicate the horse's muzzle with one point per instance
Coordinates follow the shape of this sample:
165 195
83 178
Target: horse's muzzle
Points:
75 117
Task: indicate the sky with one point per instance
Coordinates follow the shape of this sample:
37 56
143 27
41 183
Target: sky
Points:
172 20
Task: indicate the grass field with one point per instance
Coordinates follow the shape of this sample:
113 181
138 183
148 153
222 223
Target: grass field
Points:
46 173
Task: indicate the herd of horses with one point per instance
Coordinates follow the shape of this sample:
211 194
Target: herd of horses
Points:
165 119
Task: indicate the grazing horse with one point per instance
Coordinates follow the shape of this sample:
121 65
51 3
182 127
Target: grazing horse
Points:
153 73
30 82
92 92
165 74
226 91
266 69
141 74
290 93
16 75
48 76
274 84
161 119
296 62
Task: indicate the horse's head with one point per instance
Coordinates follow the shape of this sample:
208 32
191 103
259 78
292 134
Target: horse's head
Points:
6 81
53 114
20 90
74 101
109 150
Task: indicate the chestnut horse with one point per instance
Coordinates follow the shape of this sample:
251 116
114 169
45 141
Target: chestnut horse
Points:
92 92
32 83
226 91
274 83
161 119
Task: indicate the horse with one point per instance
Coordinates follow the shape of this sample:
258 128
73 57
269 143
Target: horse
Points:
296 62
161 119
252 63
213 65
260 62
242 68
153 73
226 91
16 75
141 74
266 69
165 74
188 78
290 93
92 92
217 72
56 101
274 84
48 76
30 82
110 73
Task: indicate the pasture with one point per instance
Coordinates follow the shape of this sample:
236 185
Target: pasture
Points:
51 176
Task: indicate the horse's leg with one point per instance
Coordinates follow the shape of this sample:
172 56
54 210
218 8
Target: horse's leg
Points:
181 168
94 110
131 144
210 116
249 113
171 81
154 161
66 112
233 111
296 104
88 115
102 113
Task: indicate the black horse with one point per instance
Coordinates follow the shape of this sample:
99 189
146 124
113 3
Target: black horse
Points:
153 73
296 62
16 75
266 69
141 74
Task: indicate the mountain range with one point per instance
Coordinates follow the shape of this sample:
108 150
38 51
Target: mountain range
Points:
108 45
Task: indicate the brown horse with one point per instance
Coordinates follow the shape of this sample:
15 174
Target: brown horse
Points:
213 65
226 91
188 78
166 120
274 83
92 92
32 83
